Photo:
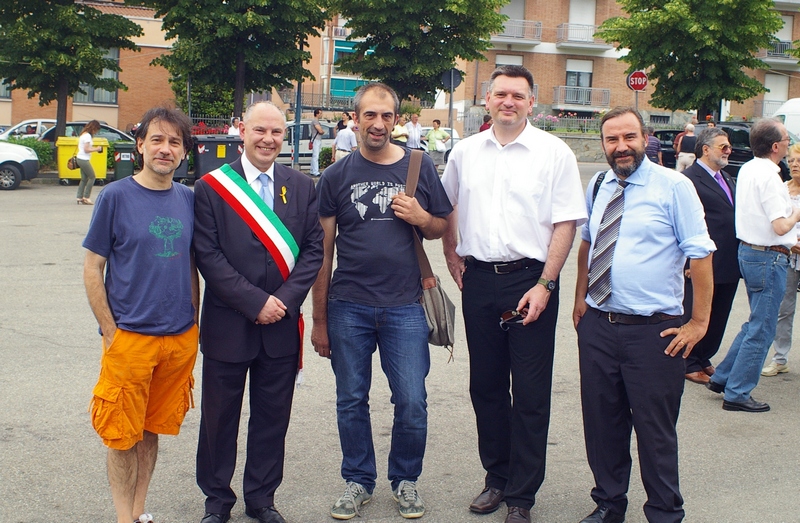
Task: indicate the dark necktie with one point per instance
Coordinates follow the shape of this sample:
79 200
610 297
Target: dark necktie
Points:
606 241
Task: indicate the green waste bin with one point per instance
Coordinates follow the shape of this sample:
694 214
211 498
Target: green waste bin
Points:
124 159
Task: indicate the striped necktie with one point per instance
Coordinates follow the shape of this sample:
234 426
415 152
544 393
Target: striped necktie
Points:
606 241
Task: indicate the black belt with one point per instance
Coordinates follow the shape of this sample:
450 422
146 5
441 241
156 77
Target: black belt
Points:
343 150
777 248
632 319
502 267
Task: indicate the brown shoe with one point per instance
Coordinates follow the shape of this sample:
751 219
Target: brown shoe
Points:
518 515
709 370
698 377
487 501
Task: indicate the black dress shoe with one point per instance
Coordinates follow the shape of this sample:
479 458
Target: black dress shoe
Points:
487 501
715 387
265 514
518 515
750 405
215 518
604 515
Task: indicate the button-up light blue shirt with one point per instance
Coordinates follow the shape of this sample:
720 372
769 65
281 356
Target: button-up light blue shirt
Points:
663 224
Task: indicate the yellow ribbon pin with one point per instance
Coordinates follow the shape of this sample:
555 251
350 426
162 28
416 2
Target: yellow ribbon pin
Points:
283 194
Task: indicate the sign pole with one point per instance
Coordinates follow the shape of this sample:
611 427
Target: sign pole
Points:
636 102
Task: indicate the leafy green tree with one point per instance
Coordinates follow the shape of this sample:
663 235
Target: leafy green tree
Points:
51 47
206 99
408 44
239 45
696 51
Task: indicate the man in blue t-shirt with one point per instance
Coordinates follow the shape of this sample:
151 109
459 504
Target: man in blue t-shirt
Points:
143 289
373 299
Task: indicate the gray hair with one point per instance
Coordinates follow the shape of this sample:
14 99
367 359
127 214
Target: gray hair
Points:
705 137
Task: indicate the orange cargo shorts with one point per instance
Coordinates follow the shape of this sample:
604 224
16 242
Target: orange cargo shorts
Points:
145 383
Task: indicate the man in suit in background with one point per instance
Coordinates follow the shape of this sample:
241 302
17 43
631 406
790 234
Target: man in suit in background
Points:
258 244
716 191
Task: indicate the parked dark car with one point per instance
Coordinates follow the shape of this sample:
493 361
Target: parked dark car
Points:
739 136
666 137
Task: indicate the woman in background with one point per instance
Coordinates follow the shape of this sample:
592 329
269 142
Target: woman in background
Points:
84 155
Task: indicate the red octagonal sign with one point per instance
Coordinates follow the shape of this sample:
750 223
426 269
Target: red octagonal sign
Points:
637 81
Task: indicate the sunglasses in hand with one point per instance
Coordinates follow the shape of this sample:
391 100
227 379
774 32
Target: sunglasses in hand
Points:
509 317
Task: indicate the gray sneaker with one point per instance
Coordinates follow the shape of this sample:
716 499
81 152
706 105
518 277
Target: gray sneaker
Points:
409 503
346 507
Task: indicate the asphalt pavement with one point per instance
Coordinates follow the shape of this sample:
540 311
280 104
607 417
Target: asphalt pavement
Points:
735 467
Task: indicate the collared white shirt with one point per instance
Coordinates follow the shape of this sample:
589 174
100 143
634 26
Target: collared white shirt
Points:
761 198
509 198
251 173
414 135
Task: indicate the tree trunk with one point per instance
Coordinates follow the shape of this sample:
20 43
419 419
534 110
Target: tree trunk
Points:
703 112
62 97
238 86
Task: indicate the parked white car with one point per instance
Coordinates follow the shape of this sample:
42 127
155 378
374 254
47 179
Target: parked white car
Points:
28 129
17 163
285 157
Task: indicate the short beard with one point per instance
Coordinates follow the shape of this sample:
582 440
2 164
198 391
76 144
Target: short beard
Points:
624 172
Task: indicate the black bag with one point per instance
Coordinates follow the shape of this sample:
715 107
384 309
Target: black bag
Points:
439 309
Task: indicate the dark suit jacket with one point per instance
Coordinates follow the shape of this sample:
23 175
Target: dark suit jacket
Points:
720 221
240 274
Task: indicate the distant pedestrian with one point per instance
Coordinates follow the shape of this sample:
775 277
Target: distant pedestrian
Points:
437 140
783 333
400 133
84 154
316 142
653 149
487 123
233 130
345 142
684 148
414 133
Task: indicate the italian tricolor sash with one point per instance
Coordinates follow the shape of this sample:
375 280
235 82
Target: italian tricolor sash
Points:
262 220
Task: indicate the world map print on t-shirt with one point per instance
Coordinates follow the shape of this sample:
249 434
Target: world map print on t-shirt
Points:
167 229
376 195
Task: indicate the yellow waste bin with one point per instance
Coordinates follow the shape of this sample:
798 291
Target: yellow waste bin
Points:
68 147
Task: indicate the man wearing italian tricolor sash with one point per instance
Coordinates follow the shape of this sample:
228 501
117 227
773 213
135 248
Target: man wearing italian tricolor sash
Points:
258 245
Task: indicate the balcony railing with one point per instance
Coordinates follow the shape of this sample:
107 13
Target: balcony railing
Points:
766 108
341 32
564 95
521 29
578 34
485 87
780 50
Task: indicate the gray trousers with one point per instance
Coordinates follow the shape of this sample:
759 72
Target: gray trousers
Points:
783 334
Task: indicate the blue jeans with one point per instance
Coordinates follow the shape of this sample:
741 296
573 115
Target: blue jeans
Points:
764 274
316 146
401 335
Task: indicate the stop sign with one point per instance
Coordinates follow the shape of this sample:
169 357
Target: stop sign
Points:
637 81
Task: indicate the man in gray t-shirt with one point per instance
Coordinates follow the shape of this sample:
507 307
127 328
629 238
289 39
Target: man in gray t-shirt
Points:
373 299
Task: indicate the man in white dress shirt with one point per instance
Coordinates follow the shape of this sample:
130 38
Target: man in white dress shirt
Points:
765 224
414 133
519 199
